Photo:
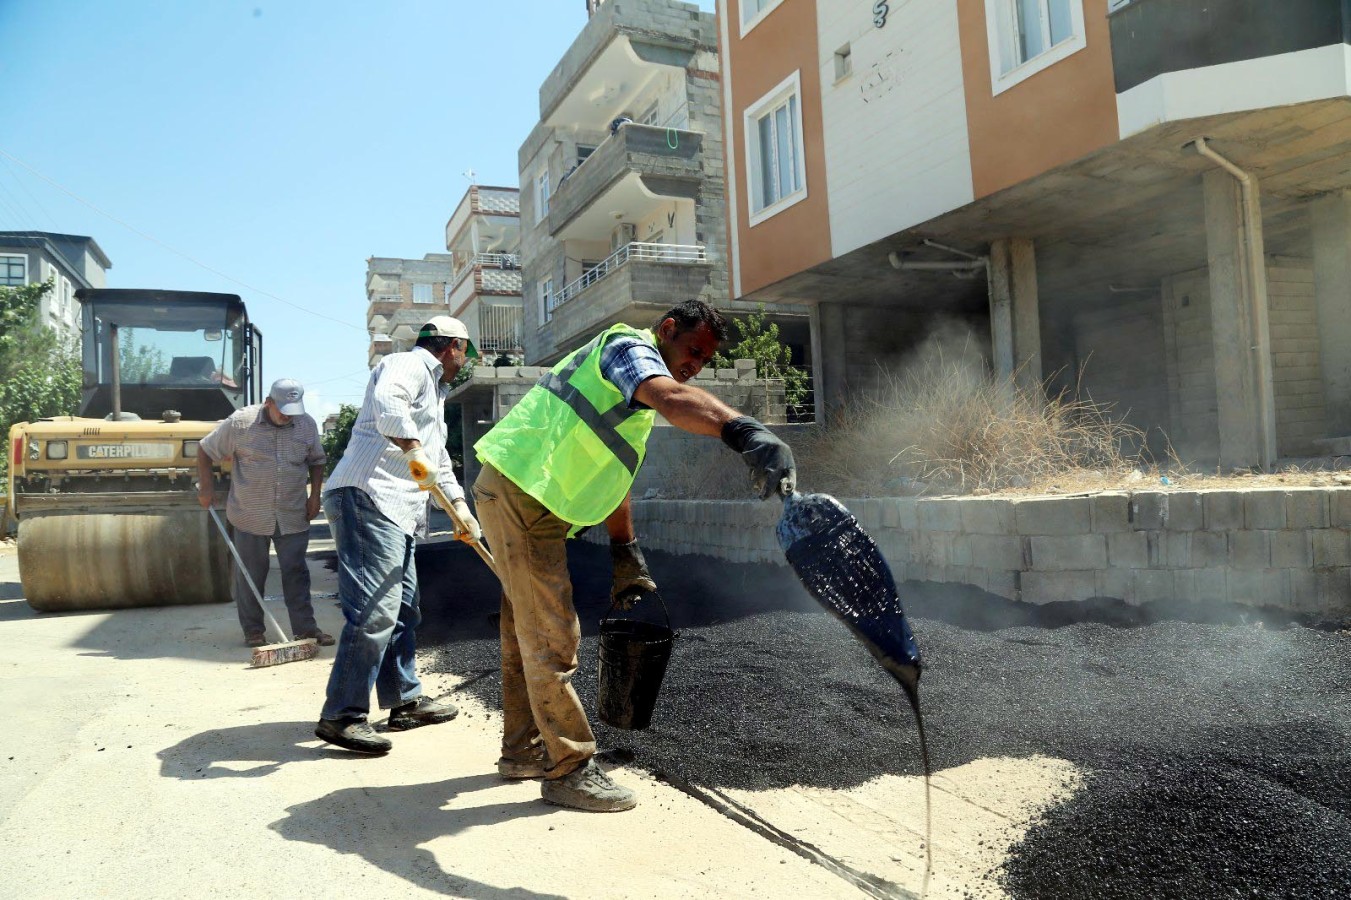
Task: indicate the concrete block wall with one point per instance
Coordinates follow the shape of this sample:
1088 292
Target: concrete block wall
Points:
1284 549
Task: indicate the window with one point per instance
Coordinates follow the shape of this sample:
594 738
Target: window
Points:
422 293
13 271
1026 36
546 298
649 116
584 152
541 196
844 62
774 150
753 12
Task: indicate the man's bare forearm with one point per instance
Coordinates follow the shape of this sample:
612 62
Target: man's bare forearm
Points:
685 406
620 523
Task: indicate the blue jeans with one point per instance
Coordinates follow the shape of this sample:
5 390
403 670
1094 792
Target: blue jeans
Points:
377 587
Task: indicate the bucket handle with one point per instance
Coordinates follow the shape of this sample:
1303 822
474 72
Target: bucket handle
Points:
614 603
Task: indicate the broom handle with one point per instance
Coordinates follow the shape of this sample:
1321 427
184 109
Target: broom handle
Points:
444 502
244 569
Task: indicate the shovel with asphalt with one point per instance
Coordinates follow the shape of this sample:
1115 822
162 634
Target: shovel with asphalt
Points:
268 654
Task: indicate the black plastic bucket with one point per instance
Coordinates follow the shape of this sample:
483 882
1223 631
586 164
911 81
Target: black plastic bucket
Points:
633 657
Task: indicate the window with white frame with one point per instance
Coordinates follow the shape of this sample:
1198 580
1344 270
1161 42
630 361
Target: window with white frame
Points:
546 297
422 293
13 271
753 11
778 177
541 196
1026 36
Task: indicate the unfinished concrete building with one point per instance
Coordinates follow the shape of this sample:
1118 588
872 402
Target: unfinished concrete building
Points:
1146 200
622 200
483 237
401 295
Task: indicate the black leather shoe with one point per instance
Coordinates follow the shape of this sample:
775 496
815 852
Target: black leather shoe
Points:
419 712
356 735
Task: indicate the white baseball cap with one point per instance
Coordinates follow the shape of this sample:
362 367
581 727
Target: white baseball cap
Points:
287 394
448 326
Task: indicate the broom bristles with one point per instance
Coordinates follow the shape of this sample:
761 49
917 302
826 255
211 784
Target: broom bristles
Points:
291 651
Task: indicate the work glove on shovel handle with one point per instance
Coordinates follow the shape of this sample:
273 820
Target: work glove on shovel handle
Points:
467 528
770 460
420 467
631 577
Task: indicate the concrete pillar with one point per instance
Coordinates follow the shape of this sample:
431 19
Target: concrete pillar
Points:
1015 321
1331 220
1238 316
832 384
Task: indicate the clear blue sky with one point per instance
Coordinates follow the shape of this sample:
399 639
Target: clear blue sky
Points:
278 143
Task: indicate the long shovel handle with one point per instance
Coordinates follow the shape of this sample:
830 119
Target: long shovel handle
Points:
245 570
444 502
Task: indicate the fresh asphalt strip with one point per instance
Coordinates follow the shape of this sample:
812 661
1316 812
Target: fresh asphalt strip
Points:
1215 752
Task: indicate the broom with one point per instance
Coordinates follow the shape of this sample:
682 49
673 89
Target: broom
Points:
269 654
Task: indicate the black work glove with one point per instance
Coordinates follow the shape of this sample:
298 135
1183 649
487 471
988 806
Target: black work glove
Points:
770 459
631 577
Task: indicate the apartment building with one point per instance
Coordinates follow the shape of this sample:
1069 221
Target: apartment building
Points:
623 208
70 261
401 295
483 237
1147 201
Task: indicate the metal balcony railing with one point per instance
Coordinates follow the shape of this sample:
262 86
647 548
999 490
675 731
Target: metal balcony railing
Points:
489 260
681 254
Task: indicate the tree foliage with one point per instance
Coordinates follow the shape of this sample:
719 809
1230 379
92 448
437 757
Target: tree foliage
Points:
40 374
335 441
757 338
138 364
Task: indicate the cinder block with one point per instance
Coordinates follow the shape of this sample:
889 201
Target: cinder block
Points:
1211 584
1175 549
1110 512
1004 583
1128 550
959 550
1057 587
939 515
1118 584
1257 587
985 516
1149 511
1303 590
1069 552
1334 591
1153 585
1054 515
907 516
1209 549
1306 508
1331 547
994 551
868 512
1186 512
1223 510
1264 510
1291 550
1184 584
1340 503
1249 550
891 516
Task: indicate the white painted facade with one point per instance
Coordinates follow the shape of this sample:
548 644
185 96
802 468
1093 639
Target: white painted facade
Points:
897 150
1318 74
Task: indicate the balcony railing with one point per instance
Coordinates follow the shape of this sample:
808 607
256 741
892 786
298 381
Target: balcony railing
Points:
664 253
489 260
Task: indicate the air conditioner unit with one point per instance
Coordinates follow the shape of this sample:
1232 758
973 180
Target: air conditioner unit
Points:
623 233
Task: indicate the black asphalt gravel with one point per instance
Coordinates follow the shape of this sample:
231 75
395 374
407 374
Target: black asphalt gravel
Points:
1216 752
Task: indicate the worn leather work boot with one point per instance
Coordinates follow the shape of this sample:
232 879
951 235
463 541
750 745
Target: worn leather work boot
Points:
419 712
588 789
356 735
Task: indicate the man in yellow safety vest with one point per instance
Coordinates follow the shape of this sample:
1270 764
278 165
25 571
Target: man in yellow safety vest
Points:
565 458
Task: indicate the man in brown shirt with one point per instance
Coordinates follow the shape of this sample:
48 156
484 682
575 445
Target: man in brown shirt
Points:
275 450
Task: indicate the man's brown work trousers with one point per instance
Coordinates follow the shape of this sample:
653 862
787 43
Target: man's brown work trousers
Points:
540 631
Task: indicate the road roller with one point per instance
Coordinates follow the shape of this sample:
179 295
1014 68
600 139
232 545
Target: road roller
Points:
106 501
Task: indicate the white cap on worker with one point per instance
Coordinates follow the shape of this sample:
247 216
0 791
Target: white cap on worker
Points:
448 326
287 394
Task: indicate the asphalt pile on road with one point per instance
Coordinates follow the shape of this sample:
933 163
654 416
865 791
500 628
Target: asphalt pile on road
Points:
1216 753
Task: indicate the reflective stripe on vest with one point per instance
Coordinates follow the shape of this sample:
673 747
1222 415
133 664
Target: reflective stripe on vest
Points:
603 424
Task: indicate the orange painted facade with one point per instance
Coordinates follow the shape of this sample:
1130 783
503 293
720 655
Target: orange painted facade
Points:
798 237
1058 115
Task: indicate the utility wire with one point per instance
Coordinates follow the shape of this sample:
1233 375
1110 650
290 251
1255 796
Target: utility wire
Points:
175 251
31 196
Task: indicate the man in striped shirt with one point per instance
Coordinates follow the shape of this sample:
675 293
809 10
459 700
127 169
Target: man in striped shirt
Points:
275 452
376 504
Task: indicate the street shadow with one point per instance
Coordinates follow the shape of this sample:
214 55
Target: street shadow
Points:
11 590
409 817
14 609
202 632
244 751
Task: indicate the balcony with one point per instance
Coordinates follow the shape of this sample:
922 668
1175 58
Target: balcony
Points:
481 261
631 171
680 254
1153 37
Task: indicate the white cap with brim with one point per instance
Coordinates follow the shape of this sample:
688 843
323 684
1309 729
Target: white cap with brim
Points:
287 393
451 327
